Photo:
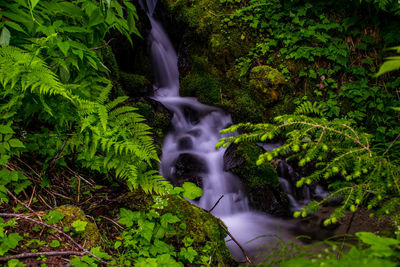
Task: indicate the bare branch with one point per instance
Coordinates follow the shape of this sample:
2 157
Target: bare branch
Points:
45 253
57 230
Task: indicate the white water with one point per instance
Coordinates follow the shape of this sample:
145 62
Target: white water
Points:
195 130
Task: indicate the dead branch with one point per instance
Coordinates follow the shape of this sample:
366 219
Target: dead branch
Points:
57 230
216 203
112 221
231 236
102 46
45 253
237 243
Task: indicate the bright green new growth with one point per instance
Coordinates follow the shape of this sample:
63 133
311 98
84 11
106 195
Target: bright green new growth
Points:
338 152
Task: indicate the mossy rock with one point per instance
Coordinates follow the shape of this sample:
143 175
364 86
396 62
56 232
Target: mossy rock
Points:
134 84
267 82
200 225
90 235
203 86
253 174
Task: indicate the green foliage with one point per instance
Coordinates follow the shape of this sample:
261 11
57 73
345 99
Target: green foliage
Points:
143 243
54 216
79 226
90 261
8 241
335 150
191 191
255 175
52 75
382 251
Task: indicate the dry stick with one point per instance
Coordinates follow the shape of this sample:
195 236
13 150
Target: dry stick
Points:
79 176
57 156
23 204
57 230
102 46
79 190
237 243
33 193
45 253
20 202
112 221
216 203
226 230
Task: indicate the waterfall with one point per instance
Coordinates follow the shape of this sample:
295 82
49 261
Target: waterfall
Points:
195 132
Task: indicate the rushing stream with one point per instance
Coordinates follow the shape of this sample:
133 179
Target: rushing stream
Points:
195 132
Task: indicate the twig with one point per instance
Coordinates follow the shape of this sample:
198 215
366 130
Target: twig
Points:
102 46
57 230
57 156
23 204
77 175
44 202
226 230
33 193
237 243
112 221
45 253
79 190
391 144
216 203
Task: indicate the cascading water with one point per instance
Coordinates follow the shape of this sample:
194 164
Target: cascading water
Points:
195 132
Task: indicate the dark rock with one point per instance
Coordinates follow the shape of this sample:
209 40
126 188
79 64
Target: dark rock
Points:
185 143
189 168
231 159
158 107
191 116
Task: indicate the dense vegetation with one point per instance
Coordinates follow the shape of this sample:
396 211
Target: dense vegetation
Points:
71 136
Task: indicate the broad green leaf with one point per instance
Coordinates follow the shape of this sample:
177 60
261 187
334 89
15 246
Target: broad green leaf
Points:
392 64
54 216
15 143
191 190
54 243
5 37
34 3
168 218
79 225
5 129
64 47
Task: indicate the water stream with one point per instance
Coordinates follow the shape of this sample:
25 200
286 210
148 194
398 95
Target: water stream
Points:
195 132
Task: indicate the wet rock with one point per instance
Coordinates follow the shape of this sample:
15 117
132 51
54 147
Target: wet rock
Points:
158 107
185 143
231 159
189 168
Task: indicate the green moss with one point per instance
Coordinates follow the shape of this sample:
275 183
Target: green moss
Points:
91 235
143 109
204 86
255 175
134 83
267 82
110 61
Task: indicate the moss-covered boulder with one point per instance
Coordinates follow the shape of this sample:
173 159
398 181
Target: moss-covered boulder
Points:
267 83
199 224
262 183
91 235
134 84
